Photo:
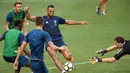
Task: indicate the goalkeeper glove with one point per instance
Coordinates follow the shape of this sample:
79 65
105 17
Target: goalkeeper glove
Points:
95 60
102 52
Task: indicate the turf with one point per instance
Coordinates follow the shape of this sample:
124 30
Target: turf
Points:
82 40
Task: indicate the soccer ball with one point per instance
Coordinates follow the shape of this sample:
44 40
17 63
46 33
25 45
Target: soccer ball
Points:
68 66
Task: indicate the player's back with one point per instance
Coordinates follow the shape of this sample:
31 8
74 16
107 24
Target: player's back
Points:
126 46
36 39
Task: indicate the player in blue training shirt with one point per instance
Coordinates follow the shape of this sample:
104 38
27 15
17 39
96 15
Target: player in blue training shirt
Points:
51 25
36 39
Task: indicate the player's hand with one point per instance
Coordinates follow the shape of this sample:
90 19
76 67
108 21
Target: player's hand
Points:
84 22
26 9
102 52
93 60
15 65
26 23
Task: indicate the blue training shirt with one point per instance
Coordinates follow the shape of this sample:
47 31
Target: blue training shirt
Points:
51 25
36 39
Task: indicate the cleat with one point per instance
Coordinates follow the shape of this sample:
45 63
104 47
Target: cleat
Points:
98 10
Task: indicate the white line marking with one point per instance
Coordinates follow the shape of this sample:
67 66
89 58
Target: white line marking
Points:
75 64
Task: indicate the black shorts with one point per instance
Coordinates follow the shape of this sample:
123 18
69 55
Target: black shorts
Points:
58 43
120 54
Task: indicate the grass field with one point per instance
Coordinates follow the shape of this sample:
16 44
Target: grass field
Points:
83 40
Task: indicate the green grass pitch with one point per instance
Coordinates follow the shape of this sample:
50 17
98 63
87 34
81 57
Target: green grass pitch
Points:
82 40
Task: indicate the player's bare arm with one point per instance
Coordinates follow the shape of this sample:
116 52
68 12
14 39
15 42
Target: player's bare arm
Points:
111 48
26 51
72 22
24 27
52 50
114 47
29 17
20 50
7 26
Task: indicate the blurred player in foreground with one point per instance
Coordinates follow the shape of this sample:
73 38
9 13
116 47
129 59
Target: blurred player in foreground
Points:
36 39
120 43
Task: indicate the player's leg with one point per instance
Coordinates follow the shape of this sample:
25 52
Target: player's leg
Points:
11 60
38 66
66 53
64 50
24 61
99 5
104 7
54 56
101 2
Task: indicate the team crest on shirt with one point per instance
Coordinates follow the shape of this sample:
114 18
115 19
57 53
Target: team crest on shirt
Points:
55 23
46 22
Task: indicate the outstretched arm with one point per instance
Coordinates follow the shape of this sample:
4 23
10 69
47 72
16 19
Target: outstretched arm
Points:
102 52
114 47
72 22
21 48
29 17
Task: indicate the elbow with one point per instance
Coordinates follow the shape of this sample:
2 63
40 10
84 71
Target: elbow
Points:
28 18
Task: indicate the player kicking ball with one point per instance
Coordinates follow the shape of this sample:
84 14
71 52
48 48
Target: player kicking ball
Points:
104 3
120 43
51 25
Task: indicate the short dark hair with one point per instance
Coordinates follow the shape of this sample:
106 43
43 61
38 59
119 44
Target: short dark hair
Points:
39 20
18 23
50 6
119 39
18 2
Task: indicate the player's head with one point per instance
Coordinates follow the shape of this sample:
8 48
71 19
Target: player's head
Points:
18 24
39 21
119 41
50 10
17 6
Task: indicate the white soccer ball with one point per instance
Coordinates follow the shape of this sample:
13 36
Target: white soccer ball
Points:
68 66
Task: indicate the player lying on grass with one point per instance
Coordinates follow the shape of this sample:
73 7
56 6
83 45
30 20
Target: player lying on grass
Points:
51 25
36 39
120 43
104 3
13 38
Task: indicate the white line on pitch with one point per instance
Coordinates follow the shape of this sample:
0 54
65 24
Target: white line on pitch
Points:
75 64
